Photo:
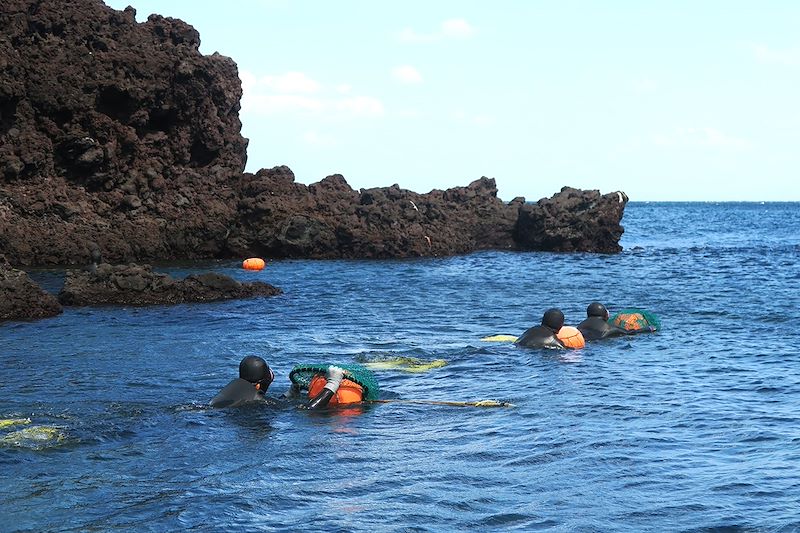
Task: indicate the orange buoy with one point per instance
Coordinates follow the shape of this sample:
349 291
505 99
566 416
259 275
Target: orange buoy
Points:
349 391
253 263
571 337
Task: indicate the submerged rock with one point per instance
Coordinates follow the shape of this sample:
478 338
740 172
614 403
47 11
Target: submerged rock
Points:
139 285
21 298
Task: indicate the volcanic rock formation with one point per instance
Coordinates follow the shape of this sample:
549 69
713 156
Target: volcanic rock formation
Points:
21 298
139 285
281 218
572 221
114 132
122 134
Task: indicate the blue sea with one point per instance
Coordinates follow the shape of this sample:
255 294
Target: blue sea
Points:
693 428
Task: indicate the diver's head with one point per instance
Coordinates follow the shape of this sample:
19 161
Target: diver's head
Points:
553 319
255 370
597 309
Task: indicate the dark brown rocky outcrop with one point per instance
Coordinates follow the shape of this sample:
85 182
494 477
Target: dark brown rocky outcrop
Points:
281 218
21 298
139 285
114 132
123 134
572 221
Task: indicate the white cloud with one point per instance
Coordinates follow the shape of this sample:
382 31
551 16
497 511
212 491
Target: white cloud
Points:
481 119
297 93
277 103
248 80
457 29
699 137
713 137
409 113
407 74
449 29
789 56
291 82
644 85
364 106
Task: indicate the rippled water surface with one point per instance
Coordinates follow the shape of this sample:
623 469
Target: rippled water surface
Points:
693 428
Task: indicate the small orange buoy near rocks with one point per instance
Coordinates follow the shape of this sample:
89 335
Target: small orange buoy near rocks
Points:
253 263
571 337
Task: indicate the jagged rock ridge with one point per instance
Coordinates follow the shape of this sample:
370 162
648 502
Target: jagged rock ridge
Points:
122 134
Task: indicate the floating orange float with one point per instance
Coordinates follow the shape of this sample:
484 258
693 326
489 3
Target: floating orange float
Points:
349 391
571 337
253 263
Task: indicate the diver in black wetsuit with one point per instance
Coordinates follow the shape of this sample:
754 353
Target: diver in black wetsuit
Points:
596 325
255 377
544 336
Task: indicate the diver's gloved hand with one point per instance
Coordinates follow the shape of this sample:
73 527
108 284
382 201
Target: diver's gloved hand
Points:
334 377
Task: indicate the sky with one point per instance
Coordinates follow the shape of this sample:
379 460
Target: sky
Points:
666 101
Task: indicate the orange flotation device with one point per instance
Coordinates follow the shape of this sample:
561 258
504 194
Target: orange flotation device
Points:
630 321
349 391
571 337
253 263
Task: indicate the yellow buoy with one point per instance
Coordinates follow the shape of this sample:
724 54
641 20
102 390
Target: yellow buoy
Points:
8 422
571 337
500 338
407 364
253 263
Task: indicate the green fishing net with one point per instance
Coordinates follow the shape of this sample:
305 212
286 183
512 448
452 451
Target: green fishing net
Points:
636 320
301 375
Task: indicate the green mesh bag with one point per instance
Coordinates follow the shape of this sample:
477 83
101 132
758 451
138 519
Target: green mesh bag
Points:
301 375
636 320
